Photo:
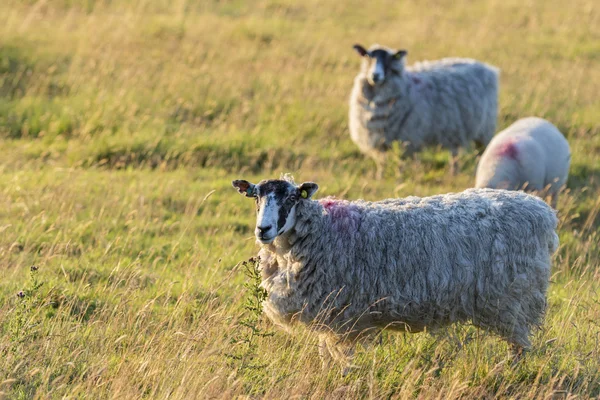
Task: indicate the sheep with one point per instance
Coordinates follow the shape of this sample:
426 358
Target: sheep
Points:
349 269
531 154
449 102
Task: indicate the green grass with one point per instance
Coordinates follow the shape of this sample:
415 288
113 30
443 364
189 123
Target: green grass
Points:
122 125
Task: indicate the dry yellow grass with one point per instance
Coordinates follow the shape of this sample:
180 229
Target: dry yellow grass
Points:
122 125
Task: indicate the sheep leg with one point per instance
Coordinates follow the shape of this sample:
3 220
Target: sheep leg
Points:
324 353
380 162
409 159
554 200
379 171
343 353
454 161
348 353
517 353
519 342
502 322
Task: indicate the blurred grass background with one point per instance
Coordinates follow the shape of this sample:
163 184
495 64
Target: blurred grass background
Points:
122 124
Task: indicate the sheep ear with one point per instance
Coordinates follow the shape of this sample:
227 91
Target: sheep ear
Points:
307 189
244 187
400 54
360 50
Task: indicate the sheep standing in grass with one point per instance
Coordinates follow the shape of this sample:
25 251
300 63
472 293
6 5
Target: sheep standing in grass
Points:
449 102
350 268
531 154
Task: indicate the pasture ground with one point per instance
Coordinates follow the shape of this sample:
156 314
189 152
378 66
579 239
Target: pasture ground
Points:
122 124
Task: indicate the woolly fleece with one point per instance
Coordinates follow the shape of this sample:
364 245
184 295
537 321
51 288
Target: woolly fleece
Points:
480 256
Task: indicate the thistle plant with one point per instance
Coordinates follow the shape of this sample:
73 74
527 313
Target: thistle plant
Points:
28 301
250 328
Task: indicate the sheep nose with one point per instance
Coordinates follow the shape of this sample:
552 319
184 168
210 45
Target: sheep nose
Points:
263 229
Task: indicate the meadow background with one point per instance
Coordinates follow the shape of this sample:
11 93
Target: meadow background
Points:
122 124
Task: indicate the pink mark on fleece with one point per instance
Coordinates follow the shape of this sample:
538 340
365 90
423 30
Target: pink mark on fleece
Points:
344 215
508 150
417 81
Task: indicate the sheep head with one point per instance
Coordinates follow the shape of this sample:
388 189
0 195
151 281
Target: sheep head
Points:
276 201
379 62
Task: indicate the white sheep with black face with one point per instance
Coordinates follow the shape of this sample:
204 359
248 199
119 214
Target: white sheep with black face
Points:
531 154
450 102
349 268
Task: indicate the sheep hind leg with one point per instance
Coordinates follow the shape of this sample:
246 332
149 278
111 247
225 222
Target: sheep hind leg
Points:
454 162
379 159
379 171
515 334
343 353
554 200
519 343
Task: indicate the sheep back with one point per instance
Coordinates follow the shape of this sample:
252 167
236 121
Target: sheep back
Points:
530 153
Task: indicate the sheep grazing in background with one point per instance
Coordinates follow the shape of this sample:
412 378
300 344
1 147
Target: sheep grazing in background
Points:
449 102
347 269
531 154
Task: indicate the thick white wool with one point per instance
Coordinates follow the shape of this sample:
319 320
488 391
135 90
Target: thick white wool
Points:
449 102
531 154
346 268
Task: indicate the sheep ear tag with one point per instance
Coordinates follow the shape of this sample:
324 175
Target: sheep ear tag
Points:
244 187
307 189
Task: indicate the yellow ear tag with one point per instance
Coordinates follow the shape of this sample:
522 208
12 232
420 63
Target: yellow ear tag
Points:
304 194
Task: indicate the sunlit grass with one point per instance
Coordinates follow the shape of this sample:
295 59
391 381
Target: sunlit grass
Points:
122 125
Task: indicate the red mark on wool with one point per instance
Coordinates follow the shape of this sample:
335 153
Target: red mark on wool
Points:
329 202
508 149
344 215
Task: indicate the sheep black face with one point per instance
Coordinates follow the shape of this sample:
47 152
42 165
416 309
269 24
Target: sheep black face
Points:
276 202
379 63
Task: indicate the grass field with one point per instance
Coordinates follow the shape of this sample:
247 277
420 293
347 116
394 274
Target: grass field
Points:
122 124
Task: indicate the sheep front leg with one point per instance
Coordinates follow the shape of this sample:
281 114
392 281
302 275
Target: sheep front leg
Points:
348 368
342 353
324 353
